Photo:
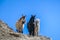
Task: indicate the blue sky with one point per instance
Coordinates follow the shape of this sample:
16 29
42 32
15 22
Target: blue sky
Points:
47 10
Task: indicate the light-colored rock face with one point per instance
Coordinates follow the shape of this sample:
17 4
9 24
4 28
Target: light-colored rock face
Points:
4 27
7 33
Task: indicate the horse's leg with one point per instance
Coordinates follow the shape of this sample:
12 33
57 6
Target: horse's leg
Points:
33 31
17 30
29 28
36 31
29 32
22 30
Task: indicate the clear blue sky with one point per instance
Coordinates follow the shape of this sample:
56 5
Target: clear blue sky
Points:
47 10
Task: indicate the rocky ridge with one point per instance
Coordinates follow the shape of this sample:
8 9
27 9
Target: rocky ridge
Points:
6 33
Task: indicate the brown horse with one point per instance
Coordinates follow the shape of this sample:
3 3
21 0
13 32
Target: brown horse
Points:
20 24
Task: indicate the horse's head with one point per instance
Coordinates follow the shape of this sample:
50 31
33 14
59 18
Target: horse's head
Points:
32 18
37 20
23 19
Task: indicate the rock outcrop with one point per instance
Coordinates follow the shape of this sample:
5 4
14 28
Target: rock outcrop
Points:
7 33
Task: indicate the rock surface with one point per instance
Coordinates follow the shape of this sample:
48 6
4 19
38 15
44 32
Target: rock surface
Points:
7 33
